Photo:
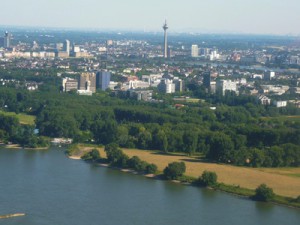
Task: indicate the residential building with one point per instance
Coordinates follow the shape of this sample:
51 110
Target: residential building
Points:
87 81
69 84
226 85
280 104
264 100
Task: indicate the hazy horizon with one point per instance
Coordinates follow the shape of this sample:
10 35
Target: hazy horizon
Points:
269 17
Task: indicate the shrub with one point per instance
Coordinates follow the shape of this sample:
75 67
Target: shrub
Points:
297 199
115 156
208 178
151 168
263 193
93 155
134 162
174 170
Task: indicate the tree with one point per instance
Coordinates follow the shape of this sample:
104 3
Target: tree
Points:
263 193
221 147
208 178
115 156
174 170
151 168
190 140
93 155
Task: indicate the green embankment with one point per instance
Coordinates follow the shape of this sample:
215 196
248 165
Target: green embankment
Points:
23 118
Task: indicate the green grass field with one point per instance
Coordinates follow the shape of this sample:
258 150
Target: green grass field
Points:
283 118
23 118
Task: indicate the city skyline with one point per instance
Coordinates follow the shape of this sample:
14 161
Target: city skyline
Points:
216 16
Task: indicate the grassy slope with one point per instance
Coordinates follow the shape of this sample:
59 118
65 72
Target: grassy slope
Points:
23 118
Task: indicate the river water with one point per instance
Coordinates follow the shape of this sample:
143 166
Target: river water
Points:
55 190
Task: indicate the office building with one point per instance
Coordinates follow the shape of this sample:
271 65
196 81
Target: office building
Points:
103 80
194 51
67 46
87 82
7 40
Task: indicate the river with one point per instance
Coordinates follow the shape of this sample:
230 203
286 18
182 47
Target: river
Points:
55 190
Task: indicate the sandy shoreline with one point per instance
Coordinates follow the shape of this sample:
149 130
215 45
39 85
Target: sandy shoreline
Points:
18 147
75 157
116 168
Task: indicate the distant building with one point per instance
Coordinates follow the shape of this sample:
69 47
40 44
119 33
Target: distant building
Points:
7 40
67 46
141 95
87 81
169 53
204 51
166 86
207 79
103 80
264 100
62 55
1 41
280 104
69 84
179 84
109 42
226 85
269 75
195 51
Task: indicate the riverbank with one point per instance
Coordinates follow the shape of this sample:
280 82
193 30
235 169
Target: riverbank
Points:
226 174
18 147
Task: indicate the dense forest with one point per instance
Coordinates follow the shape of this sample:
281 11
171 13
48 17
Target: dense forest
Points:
238 131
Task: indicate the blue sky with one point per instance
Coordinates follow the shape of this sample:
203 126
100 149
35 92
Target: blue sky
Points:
206 16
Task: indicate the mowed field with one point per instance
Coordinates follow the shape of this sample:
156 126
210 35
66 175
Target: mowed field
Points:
23 118
285 181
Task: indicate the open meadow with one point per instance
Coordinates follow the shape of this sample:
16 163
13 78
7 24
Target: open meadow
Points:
23 118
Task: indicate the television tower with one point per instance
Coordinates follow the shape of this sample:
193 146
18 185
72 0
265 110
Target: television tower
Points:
165 27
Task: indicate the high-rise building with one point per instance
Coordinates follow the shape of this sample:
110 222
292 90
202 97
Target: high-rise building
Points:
179 84
165 27
69 84
87 82
67 46
207 79
194 51
166 86
7 40
226 85
103 80
269 75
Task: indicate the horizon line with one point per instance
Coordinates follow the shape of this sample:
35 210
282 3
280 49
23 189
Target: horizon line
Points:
190 31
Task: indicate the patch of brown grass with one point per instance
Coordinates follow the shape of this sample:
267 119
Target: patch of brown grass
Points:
233 175
284 181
